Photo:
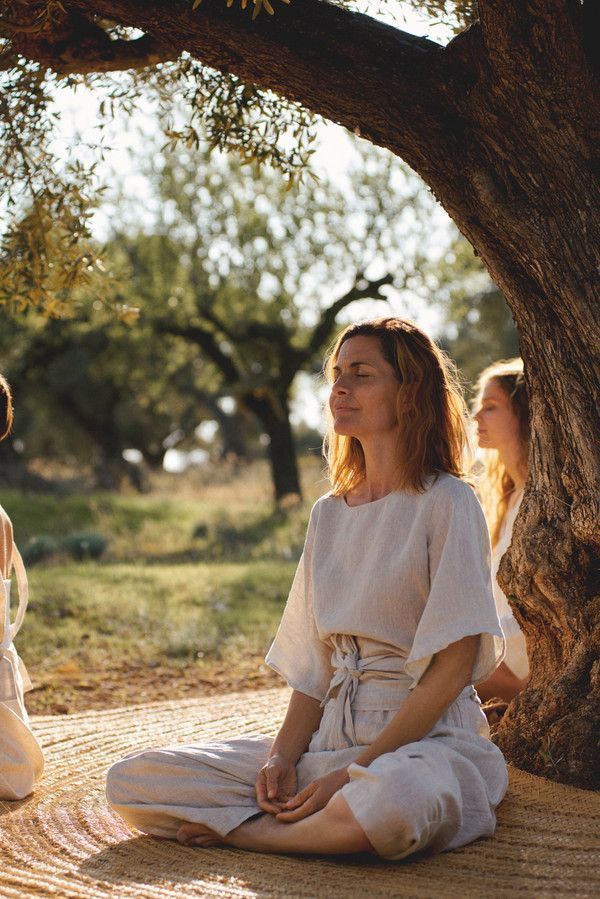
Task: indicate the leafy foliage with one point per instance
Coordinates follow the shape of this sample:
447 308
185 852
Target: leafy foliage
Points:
45 250
258 5
45 246
230 115
478 326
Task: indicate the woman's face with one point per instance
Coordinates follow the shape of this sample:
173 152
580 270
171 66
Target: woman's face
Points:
364 390
497 424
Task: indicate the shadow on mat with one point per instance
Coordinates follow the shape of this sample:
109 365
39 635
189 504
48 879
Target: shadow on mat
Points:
8 808
147 860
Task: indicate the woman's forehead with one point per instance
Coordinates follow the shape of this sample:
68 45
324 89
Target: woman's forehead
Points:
362 348
493 391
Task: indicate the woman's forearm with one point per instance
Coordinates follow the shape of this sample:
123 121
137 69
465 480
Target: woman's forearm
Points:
448 674
301 721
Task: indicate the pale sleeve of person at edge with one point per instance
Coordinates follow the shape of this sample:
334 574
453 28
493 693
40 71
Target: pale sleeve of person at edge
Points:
21 758
516 648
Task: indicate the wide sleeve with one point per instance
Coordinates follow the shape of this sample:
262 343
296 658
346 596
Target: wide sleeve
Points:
297 652
460 602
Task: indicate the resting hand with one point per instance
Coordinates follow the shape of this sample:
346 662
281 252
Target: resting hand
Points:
275 784
314 797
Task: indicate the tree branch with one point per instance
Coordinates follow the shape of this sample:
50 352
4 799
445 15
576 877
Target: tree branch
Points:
72 43
207 342
362 290
389 86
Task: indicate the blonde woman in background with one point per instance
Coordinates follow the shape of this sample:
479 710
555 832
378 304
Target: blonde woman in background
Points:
502 418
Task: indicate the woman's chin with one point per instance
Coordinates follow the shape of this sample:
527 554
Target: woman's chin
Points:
343 430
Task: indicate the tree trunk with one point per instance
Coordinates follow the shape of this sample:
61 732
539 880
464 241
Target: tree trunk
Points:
112 471
233 434
232 427
552 570
272 410
15 474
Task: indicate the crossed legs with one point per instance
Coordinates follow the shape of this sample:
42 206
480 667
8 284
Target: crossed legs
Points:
332 830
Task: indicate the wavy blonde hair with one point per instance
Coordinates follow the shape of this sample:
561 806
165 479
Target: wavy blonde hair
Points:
434 432
495 485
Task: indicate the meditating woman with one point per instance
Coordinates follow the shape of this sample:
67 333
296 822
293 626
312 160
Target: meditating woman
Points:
502 419
389 621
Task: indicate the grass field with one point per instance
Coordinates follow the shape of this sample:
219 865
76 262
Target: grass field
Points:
185 597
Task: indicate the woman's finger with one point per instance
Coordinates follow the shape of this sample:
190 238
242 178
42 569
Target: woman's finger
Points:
307 808
262 799
273 808
300 797
272 777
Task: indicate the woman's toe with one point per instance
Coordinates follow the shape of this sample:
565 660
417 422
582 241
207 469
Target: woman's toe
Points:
197 835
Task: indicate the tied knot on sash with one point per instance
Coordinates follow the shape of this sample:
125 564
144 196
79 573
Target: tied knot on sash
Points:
349 670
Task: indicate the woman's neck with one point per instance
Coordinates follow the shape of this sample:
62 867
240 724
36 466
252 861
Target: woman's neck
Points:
381 468
516 467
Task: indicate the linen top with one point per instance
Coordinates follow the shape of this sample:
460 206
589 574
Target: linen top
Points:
516 648
403 576
507 619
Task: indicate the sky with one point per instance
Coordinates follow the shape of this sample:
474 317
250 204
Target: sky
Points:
334 155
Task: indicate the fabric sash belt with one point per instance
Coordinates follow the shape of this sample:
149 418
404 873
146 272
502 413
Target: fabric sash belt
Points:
352 671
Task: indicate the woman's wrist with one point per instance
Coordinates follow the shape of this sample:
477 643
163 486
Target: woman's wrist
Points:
365 760
288 756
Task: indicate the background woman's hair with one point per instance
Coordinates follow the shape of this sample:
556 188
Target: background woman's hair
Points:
6 408
495 485
434 430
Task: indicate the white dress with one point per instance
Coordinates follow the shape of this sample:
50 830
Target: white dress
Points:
516 648
379 590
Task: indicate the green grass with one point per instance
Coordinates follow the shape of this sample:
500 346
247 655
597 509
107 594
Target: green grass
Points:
226 522
188 574
88 612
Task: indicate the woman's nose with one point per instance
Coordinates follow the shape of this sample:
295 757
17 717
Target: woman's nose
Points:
339 386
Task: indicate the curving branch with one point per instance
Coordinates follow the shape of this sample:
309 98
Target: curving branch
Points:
72 43
390 86
207 342
362 289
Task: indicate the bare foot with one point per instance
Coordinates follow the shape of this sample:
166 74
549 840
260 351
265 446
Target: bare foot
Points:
199 835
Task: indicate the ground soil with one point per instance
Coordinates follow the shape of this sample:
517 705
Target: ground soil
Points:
67 688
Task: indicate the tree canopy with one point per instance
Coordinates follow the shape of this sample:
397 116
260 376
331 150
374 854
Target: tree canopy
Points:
48 47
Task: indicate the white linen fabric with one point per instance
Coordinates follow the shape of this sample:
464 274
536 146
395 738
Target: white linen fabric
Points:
516 647
380 588
21 758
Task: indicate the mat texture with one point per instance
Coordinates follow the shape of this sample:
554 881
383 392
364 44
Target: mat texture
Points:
65 842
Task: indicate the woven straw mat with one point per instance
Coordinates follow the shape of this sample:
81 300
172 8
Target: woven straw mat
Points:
64 841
